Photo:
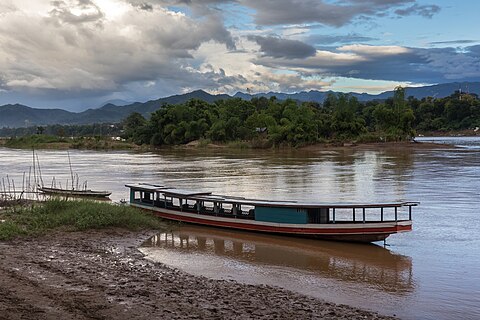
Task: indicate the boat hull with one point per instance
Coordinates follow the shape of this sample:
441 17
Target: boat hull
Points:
351 232
76 193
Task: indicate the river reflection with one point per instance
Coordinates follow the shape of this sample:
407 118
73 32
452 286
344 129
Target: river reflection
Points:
369 265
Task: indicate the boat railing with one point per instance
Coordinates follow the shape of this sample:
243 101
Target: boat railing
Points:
370 214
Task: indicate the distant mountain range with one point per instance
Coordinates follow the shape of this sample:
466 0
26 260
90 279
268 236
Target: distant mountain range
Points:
436 91
22 116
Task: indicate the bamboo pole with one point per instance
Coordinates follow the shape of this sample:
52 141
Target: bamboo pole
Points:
34 171
8 182
39 172
71 171
14 194
4 189
29 185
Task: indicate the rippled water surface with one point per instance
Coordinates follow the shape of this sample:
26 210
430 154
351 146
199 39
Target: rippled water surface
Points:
432 272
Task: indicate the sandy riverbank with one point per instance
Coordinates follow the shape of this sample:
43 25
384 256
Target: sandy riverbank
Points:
102 275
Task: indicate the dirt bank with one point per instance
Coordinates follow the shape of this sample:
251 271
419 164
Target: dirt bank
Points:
101 275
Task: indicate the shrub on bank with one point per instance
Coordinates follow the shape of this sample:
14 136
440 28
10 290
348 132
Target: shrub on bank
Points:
73 216
33 141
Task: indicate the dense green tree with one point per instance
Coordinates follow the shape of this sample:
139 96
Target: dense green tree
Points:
132 123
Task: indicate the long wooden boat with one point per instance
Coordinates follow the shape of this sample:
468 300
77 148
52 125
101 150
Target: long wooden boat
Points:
75 193
354 222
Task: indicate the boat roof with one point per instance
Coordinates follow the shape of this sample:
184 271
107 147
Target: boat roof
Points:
208 196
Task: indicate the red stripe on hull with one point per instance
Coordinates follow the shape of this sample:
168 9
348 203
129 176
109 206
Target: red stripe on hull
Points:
289 230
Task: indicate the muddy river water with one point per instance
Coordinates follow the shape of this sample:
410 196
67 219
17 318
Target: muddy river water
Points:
432 272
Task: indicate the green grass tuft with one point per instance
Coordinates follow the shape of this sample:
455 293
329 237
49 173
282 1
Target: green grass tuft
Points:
73 216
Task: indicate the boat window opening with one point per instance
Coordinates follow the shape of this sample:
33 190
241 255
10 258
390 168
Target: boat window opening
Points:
137 196
208 207
160 200
318 215
147 197
394 214
188 205
174 202
227 208
341 215
246 211
163 201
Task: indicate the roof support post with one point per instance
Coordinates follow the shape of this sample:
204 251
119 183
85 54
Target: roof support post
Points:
353 214
396 213
333 214
363 213
381 214
409 212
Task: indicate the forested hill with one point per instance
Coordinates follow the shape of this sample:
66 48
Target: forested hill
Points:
17 115
22 116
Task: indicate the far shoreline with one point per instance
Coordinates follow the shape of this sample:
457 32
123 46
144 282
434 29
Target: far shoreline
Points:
111 145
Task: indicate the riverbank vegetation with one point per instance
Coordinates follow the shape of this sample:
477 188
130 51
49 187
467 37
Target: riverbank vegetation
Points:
264 122
63 131
43 141
74 215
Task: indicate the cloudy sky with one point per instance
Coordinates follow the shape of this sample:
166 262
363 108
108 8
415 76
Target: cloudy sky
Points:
76 54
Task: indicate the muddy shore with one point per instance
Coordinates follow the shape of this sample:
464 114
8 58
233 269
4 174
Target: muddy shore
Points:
102 275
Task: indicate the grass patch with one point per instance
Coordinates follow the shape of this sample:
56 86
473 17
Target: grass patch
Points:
72 216
203 143
34 141
238 144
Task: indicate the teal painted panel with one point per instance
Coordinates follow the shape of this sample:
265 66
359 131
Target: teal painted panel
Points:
281 215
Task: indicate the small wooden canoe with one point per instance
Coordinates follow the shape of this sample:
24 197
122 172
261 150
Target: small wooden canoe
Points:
75 193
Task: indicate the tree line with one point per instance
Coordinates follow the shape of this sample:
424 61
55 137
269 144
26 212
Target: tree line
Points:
273 122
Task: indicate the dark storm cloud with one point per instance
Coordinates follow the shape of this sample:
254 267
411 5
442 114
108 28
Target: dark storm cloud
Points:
198 7
473 51
276 12
454 42
410 64
427 11
283 48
